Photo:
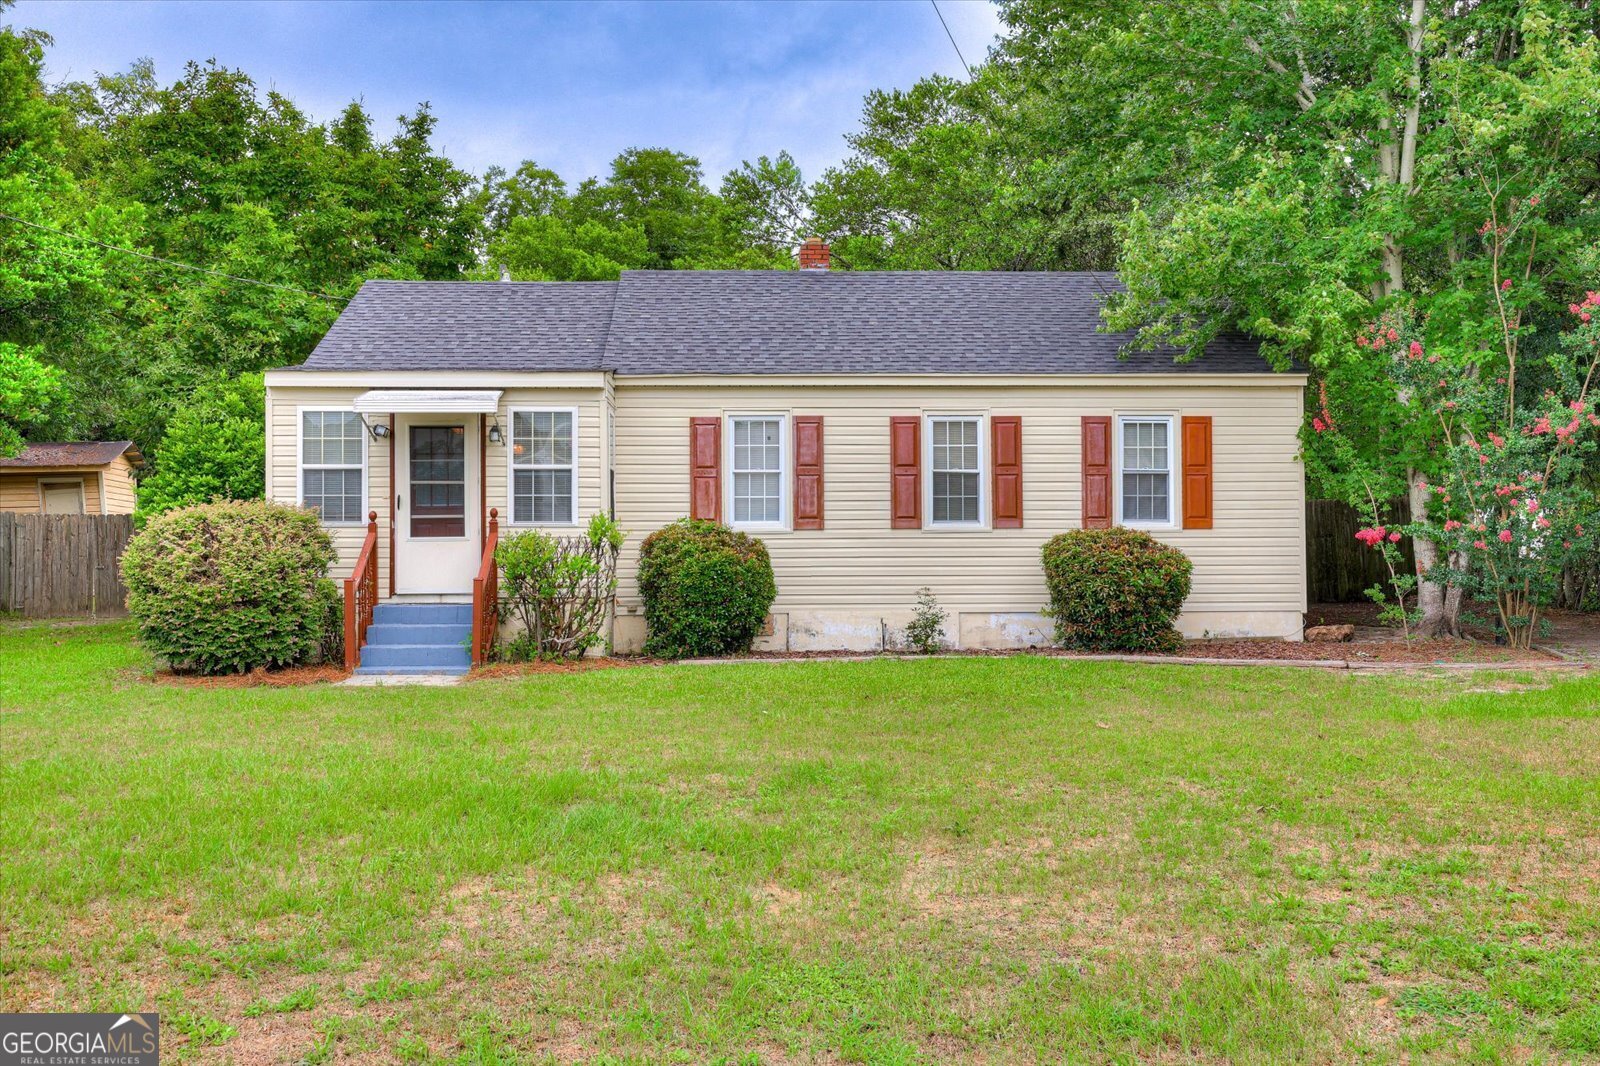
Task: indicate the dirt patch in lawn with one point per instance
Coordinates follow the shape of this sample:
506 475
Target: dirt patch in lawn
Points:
1365 651
284 678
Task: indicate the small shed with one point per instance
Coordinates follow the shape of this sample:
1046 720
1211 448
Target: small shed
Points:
71 477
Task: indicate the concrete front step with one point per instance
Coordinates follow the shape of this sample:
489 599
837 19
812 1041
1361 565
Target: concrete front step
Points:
410 671
392 655
393 633
418 638
422 614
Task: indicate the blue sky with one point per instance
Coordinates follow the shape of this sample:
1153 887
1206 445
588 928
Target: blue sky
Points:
569 84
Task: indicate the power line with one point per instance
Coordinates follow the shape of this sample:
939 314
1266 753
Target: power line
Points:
950 35
171 262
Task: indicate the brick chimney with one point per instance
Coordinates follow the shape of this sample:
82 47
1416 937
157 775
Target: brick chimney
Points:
814 254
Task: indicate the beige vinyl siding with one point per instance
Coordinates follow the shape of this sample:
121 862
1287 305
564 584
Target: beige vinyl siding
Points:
284 403
1251 561
283 472
587 436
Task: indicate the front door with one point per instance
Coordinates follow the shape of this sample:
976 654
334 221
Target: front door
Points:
438 504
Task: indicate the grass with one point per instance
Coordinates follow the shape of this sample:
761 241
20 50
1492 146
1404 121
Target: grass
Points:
966 859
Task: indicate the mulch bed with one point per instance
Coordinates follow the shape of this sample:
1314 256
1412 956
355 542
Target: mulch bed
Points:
286 678
497 671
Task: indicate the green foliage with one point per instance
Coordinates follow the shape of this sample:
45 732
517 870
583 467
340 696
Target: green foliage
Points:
706 589
215 448
29 390
926 629
1115 589
561 589
230 587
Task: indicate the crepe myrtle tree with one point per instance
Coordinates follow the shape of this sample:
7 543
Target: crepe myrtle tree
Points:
1508 505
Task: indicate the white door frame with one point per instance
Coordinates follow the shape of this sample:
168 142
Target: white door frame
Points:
427 565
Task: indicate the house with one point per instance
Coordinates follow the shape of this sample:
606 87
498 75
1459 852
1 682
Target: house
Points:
880 431
76 477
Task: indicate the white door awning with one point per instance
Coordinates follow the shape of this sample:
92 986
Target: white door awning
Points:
428 401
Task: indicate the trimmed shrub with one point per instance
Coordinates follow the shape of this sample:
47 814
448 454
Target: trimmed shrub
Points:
706 589
1115 590
230 586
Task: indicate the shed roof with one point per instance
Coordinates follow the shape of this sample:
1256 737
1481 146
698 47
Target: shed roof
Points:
45 454
723 322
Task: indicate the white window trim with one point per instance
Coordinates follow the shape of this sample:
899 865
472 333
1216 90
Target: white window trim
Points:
512 467
785 462
300 464
1172 472
984 503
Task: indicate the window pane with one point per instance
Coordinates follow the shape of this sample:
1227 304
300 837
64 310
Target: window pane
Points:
542 497
1144 497
757 460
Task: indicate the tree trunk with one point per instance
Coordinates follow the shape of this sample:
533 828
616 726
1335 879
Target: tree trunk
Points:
1440 605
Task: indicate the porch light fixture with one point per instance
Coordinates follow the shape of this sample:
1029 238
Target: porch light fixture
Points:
379 431
495 434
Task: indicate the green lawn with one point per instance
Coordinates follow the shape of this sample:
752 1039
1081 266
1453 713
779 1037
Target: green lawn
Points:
983 859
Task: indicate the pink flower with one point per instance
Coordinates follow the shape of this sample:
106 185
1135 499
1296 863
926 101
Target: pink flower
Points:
1542 522
1451 524
1505 536
1394 538
1505 285
1394 334
1416 349
1497 440
1585 316
1480 545
1318 424
1370 537
1533 201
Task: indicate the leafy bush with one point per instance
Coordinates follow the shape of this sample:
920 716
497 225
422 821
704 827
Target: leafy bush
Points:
706 589
560 588
1115 590
214 448
230 586
926 631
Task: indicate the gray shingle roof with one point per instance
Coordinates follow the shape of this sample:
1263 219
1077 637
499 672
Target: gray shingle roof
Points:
754 322
902 322
469 325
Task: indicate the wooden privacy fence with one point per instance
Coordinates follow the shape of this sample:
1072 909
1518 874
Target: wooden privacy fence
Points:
54 565
1339 568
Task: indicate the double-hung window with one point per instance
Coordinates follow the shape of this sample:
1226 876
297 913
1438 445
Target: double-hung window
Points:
332 453
544 467
756 461
1144 463
955 470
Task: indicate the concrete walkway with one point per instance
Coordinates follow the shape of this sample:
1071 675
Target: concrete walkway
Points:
374 680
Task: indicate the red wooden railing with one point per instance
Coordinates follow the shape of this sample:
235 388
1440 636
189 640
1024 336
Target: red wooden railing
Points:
361 595
486 594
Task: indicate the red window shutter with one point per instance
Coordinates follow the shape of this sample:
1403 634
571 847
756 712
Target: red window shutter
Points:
1196 471
705 468
1096 471
1005 432
808 471
905 472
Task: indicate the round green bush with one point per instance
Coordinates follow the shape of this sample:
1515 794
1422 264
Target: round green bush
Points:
706 589
1115 590
230 586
